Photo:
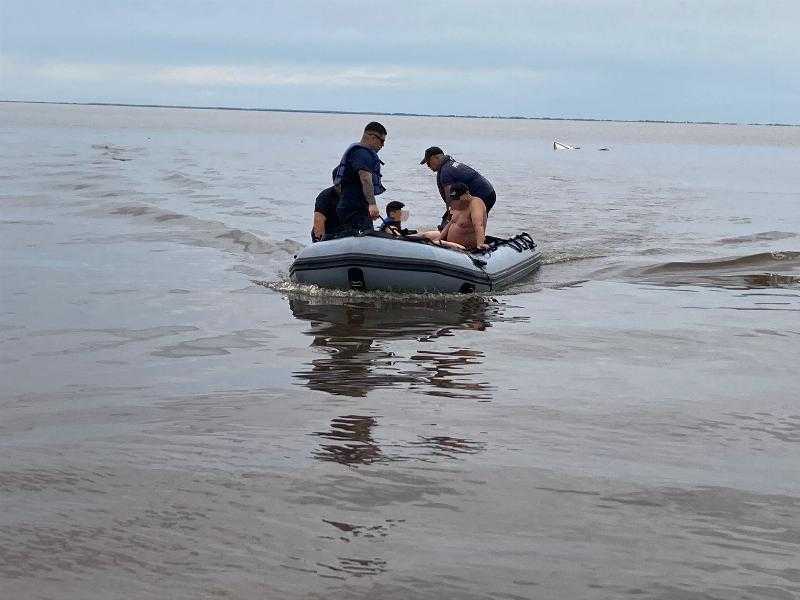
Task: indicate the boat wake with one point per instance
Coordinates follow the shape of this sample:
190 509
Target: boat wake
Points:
313 292
766 269
566 256
165 225
764 236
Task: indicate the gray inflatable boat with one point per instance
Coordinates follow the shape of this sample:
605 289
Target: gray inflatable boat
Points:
378 261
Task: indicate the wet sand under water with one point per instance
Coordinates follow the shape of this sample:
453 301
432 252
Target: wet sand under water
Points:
177 420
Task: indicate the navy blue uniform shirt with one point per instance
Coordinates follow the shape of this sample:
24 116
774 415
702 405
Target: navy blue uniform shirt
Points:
326 204
353 208
453 171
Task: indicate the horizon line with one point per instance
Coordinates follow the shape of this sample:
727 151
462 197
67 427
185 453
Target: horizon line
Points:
396 114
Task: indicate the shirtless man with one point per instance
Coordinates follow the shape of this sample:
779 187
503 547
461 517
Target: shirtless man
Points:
466 229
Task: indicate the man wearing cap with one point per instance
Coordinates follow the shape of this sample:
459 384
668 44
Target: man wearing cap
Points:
358 178
449 171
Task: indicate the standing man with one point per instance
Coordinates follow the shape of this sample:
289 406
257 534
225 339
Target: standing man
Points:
449 171
358 177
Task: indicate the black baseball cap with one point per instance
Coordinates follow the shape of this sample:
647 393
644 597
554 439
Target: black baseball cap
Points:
393 206
457 190
432 151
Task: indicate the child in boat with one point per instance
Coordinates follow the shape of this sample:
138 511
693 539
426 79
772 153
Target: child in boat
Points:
395 215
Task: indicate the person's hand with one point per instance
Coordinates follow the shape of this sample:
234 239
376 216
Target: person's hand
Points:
374 213
483 246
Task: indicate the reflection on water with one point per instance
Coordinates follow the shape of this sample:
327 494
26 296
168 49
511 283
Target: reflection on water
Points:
354 336
353 445
353 333
444 373
350 442
448 447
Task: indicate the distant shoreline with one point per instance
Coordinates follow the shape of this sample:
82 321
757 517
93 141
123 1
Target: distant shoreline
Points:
396 114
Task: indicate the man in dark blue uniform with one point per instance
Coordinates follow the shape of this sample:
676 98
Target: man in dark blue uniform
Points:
358 178
449 171
326 220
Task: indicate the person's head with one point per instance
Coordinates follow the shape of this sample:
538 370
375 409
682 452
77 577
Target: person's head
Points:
458 198
394 210
434 158
374 136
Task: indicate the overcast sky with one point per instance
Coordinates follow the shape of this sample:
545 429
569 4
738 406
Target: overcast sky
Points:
716 60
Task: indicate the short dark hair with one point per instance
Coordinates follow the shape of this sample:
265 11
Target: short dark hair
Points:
375 127
393 206
432 151
457 190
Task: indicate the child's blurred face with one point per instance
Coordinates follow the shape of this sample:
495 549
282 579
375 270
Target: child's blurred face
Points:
395 215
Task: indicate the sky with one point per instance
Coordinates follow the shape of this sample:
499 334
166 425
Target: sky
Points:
693 60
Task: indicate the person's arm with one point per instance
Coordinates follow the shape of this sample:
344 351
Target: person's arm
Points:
432 236
446 191
444 232
369 193
319 225
477 212
435 237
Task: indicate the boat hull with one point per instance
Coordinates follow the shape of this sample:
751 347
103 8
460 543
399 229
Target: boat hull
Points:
378 262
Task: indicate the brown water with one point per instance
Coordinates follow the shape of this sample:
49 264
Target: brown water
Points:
178 421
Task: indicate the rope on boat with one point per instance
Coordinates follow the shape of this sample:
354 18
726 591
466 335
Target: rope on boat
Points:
520 243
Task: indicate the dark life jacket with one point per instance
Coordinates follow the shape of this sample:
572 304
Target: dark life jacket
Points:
397 225
340 172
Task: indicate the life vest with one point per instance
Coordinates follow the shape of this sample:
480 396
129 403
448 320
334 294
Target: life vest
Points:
339 171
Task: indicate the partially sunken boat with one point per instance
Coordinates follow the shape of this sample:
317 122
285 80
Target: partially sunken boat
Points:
377 261
561 146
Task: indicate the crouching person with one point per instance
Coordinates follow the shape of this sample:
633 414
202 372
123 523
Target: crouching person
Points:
326 220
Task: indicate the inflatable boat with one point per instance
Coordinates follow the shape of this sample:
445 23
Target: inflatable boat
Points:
378 261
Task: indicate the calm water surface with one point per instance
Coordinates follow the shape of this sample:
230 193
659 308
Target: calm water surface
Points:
179 421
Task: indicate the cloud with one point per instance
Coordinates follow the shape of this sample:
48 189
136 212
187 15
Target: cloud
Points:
330 76
715 60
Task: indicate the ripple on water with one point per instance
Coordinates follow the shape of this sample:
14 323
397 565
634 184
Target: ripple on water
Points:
352 333
219 345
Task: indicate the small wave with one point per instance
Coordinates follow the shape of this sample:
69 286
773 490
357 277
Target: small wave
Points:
653 251
552 258
218 345
184 180
108 147
785 260
25 222
764 236
115 152
767 269
253 244
191 230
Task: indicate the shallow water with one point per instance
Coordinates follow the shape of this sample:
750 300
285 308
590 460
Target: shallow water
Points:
177 420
